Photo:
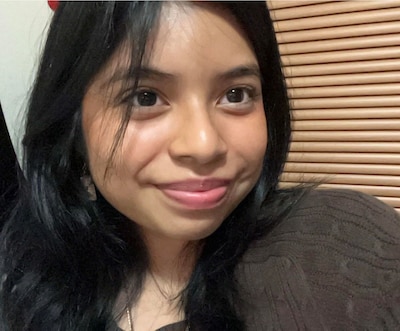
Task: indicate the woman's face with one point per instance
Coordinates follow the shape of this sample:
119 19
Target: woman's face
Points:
195 142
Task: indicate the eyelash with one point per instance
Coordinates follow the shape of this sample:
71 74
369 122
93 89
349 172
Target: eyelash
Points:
129 96
245 91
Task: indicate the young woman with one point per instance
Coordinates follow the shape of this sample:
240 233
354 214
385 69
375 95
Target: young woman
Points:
155 137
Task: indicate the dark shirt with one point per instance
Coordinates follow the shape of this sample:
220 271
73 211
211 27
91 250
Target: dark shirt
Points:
332 264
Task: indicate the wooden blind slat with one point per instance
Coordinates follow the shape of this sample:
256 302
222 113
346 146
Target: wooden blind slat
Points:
372 16
353 125
339 44
352 113
347 102
344 91
343 168
331 8
341 179
339 32
287 4
320 157
384 191
346 79
342 68
375 136
342 56
394 202
347 146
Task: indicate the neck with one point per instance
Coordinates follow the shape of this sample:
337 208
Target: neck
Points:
171 264
171 261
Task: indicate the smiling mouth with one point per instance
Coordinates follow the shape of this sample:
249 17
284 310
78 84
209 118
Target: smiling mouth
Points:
197 194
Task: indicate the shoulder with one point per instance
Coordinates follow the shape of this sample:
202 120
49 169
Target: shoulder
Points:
340 218
334 261
344 204
344 223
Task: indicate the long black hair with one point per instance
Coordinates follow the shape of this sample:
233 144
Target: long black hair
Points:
65 258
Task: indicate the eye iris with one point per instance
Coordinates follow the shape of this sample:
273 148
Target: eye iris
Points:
146 99
235 95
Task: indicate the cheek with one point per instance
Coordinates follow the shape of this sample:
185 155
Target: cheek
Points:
248 137
100 127
143 143
260 139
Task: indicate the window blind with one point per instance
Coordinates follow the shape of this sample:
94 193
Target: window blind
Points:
341 60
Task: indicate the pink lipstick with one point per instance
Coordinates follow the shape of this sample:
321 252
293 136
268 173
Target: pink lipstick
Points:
196 194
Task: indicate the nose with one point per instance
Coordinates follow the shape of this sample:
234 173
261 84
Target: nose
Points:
198 139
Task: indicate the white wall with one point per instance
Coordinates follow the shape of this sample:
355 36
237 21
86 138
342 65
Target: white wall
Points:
23 26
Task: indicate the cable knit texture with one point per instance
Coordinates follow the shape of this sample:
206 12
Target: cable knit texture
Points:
332 264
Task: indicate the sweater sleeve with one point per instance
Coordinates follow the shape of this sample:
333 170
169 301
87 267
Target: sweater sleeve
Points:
333 263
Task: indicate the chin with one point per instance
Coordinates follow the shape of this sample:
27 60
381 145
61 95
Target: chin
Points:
198 234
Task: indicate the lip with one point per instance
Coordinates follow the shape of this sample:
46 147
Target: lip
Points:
196 194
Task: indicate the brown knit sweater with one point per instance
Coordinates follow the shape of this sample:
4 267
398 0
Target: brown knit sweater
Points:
332 264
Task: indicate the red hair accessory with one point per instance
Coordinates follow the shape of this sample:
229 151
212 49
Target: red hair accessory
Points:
53 4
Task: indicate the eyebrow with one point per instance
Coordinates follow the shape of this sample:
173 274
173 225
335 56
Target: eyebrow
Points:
138 73
152 73
241 71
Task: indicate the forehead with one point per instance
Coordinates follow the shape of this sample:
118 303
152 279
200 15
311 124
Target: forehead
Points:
203 32
189 39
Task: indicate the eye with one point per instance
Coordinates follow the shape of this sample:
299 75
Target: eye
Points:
146 98
238 98
145 103
237 95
